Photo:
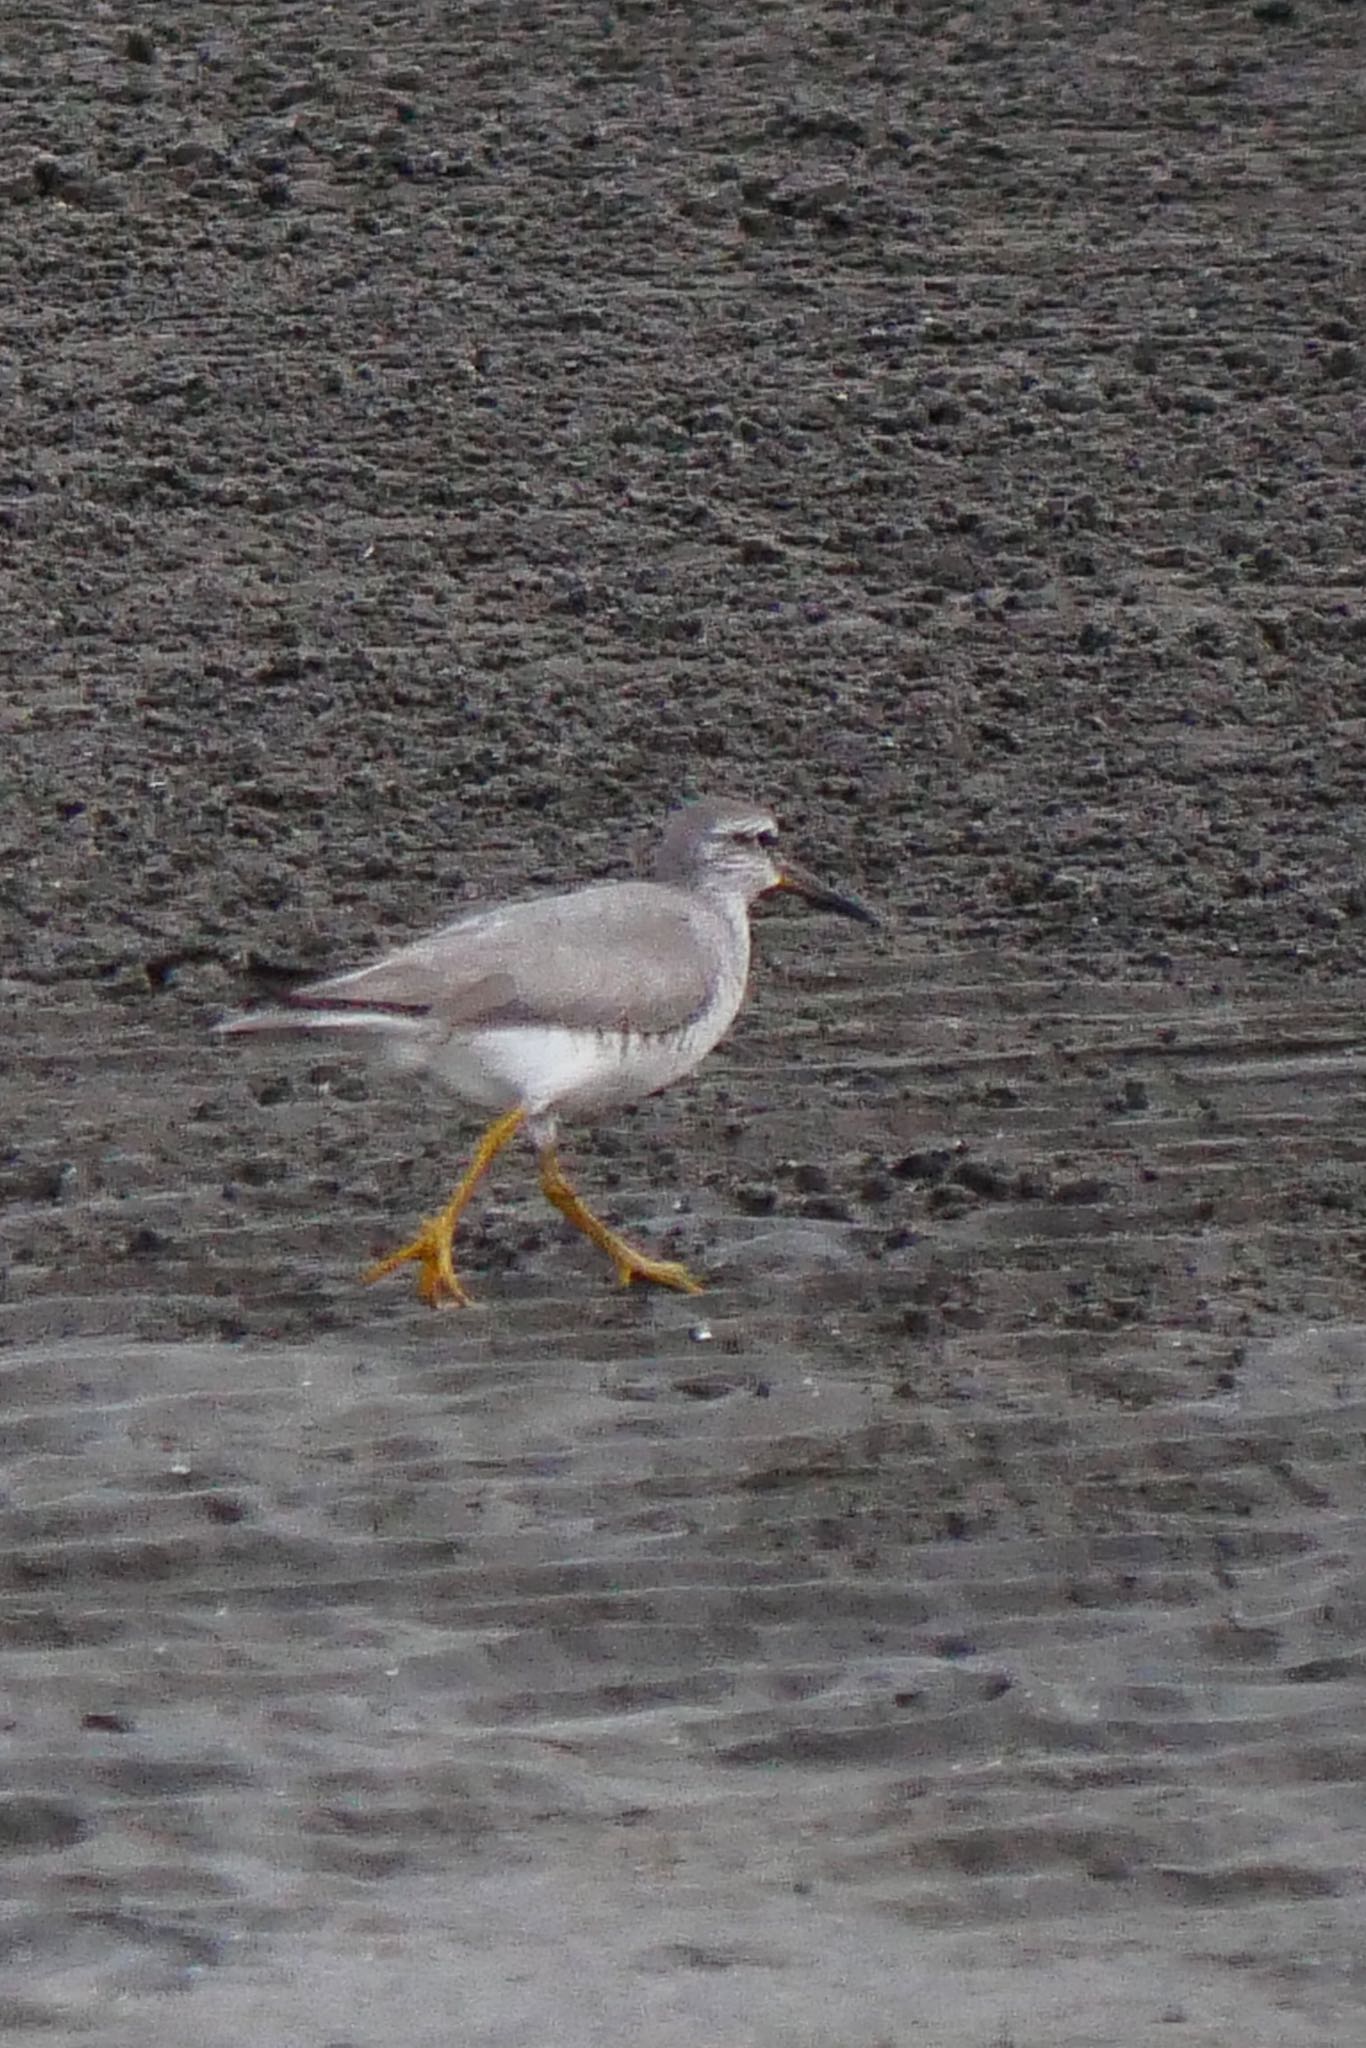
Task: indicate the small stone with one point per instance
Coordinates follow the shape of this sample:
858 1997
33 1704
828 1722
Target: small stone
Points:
810 1179
760 550
980 1178
927 1166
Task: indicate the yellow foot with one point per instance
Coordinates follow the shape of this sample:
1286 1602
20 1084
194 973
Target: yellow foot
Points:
431 1248
431 1251
633 1265
630 1264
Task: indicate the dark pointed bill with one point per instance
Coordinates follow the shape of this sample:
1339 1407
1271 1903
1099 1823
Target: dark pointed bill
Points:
799 883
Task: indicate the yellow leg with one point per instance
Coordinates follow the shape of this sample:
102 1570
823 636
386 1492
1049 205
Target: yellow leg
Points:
630 1264
431 1248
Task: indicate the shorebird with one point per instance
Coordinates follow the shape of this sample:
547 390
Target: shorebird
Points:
564 1006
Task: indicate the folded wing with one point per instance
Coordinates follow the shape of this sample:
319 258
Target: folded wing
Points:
627 956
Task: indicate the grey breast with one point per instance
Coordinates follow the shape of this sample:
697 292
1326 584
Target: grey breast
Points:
639 957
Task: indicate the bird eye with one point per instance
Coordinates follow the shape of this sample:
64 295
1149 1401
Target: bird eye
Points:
766 838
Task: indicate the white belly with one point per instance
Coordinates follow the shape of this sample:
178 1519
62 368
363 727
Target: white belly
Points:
545 1068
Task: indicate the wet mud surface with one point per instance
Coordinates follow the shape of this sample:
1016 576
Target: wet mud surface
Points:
434 444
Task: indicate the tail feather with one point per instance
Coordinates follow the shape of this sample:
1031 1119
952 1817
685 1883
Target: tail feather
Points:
290 1022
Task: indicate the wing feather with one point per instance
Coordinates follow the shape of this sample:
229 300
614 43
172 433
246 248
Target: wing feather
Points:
629 956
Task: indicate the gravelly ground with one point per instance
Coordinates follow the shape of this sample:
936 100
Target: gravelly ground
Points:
434 442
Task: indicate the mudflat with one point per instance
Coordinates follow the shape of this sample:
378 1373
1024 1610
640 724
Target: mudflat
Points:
436 440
